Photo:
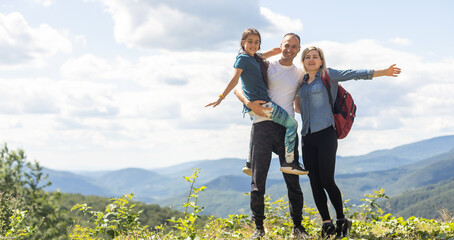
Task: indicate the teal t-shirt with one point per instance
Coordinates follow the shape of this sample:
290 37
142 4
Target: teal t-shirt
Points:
254 87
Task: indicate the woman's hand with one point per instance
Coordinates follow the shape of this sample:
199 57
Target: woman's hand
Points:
393 71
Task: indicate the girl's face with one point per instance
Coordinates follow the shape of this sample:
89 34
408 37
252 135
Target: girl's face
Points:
251 44
312 61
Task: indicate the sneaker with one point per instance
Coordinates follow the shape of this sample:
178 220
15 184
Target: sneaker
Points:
328 229
247 169
293 168
300 233
343 227
258 234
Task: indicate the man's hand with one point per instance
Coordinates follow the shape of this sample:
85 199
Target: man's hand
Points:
257 108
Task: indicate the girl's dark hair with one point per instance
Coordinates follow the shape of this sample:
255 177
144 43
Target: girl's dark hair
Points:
258 57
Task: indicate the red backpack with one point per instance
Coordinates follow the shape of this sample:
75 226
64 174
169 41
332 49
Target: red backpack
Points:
344 108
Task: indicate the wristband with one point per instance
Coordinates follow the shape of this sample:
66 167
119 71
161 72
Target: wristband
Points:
221 96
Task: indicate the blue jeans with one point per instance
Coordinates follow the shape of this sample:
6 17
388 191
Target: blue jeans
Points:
280 116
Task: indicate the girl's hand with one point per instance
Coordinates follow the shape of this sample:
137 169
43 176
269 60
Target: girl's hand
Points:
393 71
214 104
276 50
271 52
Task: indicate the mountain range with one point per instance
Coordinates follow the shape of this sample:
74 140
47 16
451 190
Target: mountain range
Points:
405 172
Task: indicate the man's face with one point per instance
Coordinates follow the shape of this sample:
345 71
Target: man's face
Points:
290 47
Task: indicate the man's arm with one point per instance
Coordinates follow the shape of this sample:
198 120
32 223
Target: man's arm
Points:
296 105
254 105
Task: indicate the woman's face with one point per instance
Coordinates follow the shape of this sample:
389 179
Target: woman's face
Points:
312 61
251 44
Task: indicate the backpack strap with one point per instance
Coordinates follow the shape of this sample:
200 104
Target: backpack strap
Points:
327 83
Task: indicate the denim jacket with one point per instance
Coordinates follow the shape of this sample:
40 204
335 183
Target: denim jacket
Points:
316 111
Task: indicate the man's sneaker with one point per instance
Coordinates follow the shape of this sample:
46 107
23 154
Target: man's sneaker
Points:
300 233
328 229
247 169
343 227
258 234
293 168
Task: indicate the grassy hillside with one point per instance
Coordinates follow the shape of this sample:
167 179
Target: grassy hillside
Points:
425 201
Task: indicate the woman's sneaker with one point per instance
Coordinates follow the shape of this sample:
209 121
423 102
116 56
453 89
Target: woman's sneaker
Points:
343 227
293 168
328 229
247 169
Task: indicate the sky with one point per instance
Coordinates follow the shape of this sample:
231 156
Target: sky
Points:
110 84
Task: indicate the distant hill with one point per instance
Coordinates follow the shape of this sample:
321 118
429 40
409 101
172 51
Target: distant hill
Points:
404 168
395 157
68 182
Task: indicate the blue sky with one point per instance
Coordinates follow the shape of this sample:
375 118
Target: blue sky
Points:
109 84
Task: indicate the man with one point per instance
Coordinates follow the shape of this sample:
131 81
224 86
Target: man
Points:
268 136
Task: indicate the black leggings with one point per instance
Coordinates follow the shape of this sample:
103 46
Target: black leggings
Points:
319 157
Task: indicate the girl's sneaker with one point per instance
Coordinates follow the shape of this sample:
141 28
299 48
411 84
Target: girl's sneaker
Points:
247 169
293 168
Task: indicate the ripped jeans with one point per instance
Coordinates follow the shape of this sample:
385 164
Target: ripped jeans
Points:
280 116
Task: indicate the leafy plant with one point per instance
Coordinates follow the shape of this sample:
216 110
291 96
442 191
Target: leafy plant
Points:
186 224
370 209
118 218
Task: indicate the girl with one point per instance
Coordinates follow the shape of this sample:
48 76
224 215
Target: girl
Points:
319 139
252 69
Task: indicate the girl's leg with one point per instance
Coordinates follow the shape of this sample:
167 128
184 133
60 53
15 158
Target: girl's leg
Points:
247 169
279 115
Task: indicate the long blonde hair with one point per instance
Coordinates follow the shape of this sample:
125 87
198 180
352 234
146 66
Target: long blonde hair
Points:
323 69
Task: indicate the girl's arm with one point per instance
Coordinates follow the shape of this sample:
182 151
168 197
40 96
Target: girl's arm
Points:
271 52
392 71
233 82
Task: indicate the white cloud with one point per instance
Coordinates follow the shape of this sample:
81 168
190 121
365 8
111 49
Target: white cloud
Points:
45 3
21 44
280 23
401 41
195 25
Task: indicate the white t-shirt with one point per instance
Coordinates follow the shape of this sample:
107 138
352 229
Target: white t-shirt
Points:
283 83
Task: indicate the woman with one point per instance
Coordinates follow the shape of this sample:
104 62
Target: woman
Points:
319 139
